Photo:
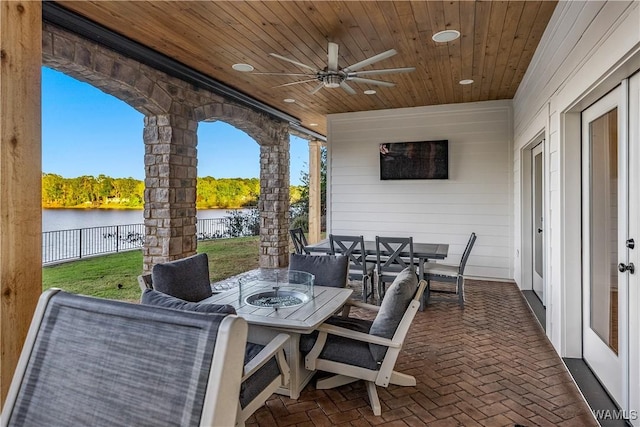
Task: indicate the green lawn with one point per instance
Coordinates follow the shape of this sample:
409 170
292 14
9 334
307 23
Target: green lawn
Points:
115 276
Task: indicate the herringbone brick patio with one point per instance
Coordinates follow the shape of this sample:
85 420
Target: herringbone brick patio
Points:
488 364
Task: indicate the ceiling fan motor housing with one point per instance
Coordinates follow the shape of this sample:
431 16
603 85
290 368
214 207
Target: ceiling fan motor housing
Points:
332 80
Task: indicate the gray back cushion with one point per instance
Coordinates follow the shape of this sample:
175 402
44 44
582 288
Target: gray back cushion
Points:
186 278
153 297
394 305
329 270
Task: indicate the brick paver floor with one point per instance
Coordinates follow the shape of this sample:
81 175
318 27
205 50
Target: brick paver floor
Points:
488 364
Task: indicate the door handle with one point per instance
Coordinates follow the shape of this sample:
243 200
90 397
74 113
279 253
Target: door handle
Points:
622 267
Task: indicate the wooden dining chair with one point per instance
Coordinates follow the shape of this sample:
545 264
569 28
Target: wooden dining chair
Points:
352 247
299 240
390 261
439 272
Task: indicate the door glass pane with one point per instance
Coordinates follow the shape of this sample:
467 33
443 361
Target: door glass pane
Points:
537 212
604 227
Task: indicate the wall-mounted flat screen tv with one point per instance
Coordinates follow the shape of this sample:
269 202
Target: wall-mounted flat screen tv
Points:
414 160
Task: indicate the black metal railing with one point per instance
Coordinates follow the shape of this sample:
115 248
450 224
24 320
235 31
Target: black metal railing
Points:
208 229
79 243
64 245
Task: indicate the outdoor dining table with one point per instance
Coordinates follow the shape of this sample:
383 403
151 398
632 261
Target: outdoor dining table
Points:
266 323
422 251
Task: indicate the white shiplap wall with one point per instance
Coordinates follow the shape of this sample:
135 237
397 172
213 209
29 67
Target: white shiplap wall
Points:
476 197
586 50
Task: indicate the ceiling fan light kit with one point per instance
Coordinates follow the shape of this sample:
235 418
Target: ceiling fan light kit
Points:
332 80
332 76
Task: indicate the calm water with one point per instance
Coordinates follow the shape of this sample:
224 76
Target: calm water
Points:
66 219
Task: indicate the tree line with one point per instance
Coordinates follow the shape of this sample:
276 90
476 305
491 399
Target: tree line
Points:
107 192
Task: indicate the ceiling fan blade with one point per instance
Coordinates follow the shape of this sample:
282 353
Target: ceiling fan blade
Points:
384 71
347 88
370 81
317 88
287 74
332 55
369 61
299 64
296 83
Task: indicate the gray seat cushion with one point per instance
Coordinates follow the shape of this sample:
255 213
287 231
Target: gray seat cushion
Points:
340 349
394 305
186 278
153 297
329 270
260 379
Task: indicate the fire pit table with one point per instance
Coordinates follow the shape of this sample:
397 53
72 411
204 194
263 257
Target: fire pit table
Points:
275 301
276 289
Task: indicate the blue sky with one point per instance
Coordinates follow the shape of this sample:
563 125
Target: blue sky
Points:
87 132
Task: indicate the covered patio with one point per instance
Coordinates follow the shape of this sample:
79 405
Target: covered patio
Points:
534 68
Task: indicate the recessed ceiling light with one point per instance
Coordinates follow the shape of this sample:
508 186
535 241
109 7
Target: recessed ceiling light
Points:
466 81
243 68
289 100
369 92
445 36
313 124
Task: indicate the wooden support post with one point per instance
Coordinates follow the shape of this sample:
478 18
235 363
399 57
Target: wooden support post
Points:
20 177
314 191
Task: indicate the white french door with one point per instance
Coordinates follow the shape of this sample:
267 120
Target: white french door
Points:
633 258
606 249
537 192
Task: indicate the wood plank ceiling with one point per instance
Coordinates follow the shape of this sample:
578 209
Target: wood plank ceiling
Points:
498 39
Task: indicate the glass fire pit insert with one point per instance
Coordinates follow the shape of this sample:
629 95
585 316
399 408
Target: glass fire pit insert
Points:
277 289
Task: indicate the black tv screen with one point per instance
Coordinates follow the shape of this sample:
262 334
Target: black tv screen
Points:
414 160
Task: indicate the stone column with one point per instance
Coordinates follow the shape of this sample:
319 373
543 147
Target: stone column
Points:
274 202
170 188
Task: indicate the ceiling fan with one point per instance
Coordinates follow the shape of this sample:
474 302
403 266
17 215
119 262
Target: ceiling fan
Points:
332 76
